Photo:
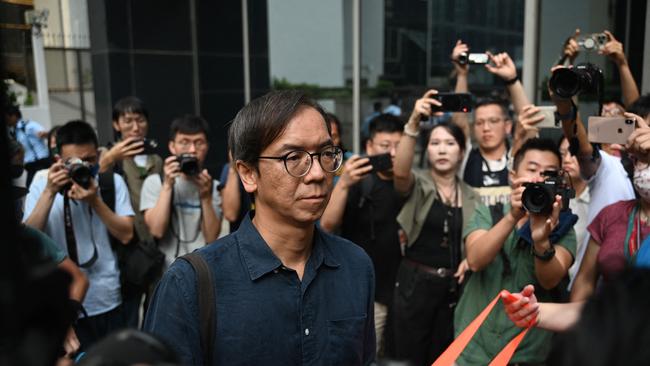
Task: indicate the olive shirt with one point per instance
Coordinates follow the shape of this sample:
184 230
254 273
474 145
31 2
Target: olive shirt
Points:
484 285
414 212
134 176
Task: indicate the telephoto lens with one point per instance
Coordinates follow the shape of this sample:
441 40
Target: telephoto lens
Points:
189 164
79 171
584 78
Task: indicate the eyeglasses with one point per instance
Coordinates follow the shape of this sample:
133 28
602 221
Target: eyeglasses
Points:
298 162
198 144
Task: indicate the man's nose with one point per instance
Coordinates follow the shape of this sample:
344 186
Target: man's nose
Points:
316 172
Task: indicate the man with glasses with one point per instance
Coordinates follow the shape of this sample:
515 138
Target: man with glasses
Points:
286 292
364 206
182 208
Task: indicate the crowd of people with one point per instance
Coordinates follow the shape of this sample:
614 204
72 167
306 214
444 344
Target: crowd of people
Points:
337 258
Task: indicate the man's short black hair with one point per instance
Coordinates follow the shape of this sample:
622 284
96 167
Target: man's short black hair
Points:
189 125
494 101
536 144
641 106
385 123
129 104
264 119
76 132
13 110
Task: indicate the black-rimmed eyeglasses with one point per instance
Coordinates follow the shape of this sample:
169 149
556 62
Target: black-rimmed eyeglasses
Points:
298 162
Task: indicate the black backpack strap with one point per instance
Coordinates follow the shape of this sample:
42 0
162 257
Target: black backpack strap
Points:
107 190
207 303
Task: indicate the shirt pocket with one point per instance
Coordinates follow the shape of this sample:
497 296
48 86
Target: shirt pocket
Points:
346 341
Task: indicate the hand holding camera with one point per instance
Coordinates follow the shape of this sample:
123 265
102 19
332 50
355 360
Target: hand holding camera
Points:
613 49
459 57
638 143
126 148
87 193
171 170
203 181
422 109
356 168
57 178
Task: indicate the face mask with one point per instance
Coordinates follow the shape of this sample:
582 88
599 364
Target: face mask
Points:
641 180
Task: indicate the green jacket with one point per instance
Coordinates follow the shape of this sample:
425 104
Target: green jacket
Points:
420 199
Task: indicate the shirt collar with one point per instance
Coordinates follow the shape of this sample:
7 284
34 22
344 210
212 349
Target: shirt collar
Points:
259 259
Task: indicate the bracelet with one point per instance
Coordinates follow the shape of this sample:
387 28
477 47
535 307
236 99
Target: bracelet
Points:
511 81
410 133
546 256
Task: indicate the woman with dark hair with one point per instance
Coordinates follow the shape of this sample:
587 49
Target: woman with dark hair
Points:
433 266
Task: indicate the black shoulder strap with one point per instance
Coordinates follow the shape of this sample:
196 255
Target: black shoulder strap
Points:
107 189
207 303
366 198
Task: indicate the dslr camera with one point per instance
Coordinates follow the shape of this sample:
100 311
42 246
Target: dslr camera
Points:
583 78
79 171
592 42
189 164
538 198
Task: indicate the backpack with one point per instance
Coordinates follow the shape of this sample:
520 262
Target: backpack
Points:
140 262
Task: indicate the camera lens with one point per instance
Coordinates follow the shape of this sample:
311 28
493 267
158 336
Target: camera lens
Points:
189 165
565 83
462 58
80 174
537 199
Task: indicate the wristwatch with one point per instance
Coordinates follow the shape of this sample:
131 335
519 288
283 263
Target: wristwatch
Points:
546 256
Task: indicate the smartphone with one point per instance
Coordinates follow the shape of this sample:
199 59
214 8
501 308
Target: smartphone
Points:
453 102
610 130
473 58
549 117
150 146
381 162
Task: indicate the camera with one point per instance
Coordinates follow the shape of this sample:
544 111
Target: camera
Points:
79 171
473 58
583 78
538 198
150 146
592 42
189 164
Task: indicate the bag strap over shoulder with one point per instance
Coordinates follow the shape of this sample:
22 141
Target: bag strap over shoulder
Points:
207 303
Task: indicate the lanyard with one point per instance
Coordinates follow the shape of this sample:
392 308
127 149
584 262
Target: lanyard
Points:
633 235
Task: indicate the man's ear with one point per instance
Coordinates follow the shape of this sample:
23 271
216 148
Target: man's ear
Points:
116 126
509 126
248 175
171 147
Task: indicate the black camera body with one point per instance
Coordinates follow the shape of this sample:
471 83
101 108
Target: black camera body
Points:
538 198
189 164
79 171
582 79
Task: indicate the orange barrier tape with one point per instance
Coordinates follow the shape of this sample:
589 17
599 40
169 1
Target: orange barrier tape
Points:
454 350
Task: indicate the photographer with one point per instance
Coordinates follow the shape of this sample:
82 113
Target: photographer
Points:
518 248
601 170
486 165
30 134
182 206
132 157
365 205
67 207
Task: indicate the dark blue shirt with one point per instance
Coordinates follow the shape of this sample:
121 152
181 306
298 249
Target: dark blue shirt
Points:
265 314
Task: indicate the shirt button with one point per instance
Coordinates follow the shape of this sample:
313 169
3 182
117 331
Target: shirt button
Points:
275 271
306 331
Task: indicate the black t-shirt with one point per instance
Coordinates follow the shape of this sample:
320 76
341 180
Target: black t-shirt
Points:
475 176
371 222
428 248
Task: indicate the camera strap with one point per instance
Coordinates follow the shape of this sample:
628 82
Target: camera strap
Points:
71 241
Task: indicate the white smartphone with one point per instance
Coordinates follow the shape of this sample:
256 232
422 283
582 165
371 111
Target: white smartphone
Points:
610 130
549 117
